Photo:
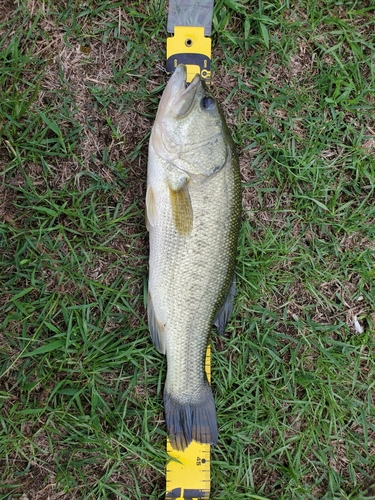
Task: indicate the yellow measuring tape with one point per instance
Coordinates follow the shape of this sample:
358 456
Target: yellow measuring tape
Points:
188 471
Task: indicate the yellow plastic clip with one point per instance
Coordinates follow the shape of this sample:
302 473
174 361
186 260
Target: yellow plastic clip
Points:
189 46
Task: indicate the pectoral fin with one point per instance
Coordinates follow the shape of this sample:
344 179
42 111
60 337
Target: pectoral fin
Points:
223 314
150 208
182 210
156 327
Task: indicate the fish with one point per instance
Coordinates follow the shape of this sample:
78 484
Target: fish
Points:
193 214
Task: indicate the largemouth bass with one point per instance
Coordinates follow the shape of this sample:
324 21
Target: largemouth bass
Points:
193 204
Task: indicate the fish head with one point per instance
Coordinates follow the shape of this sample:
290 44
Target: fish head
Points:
190 132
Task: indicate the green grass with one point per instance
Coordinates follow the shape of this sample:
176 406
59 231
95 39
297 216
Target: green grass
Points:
81 411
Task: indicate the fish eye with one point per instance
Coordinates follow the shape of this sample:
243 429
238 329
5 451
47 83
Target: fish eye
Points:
207 103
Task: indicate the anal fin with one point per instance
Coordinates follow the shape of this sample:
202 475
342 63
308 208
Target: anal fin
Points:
156 327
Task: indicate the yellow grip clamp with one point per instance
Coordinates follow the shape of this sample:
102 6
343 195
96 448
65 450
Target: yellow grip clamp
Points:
189 46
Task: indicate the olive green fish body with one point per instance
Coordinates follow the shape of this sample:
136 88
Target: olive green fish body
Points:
193 213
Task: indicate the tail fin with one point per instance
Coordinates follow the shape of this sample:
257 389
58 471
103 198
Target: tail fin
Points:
188 421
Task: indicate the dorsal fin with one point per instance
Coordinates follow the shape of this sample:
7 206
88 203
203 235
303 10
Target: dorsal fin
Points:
223 314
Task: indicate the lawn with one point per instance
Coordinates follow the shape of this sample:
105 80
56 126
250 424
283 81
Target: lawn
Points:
81 414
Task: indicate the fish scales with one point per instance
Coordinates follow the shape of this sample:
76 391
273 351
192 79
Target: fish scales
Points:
193 213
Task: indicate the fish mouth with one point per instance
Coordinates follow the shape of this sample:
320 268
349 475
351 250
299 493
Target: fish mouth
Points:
178 97
187 98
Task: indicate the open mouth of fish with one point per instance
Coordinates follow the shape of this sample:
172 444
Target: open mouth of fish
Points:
179 96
